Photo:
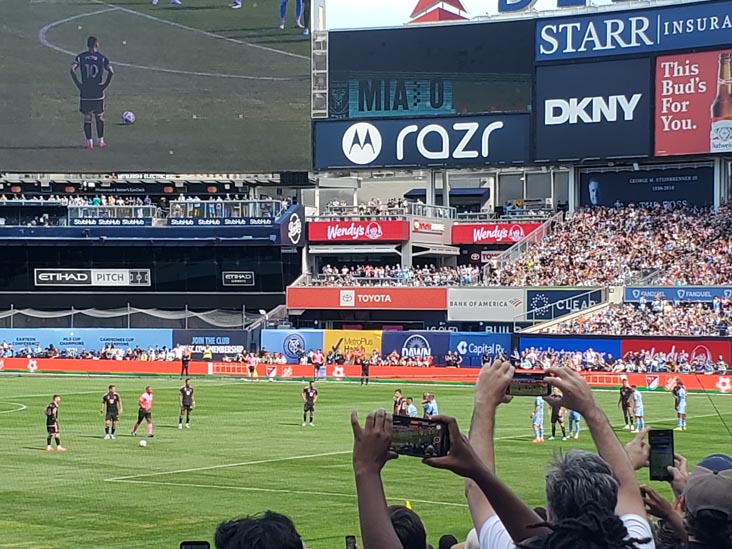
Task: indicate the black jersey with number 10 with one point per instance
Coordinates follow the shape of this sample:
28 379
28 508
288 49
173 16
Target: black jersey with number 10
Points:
92 66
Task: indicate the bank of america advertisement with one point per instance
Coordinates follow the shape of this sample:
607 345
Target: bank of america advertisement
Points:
694 103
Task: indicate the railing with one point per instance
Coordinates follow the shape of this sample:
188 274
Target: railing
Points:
494 217
112 212
554 311
373 212
518 249
226 209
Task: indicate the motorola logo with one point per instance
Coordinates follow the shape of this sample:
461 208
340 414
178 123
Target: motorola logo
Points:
362 143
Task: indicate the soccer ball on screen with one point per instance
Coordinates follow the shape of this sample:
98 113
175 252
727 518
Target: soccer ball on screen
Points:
143 443
128 117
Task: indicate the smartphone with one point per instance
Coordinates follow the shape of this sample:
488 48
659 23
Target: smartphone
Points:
529 384
195 545
350 542
662 453
414 436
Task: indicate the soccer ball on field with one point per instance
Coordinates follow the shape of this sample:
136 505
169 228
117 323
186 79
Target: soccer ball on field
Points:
143 443
128 117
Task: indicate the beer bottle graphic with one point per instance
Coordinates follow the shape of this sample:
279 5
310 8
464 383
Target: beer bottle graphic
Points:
721 135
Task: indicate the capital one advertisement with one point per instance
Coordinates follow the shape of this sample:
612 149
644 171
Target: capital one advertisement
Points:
672 187
492 233
593 110
694 103
358 231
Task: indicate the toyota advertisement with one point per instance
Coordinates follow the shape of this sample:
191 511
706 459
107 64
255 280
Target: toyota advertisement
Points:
492 233
594 110
671 187
694 103
428 299
470 141
358 231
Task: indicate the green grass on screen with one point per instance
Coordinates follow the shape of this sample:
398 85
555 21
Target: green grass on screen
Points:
247 452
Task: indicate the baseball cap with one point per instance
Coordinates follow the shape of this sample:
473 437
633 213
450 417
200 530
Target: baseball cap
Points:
710 486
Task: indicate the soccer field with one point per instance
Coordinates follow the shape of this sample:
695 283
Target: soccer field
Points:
247 452
214 90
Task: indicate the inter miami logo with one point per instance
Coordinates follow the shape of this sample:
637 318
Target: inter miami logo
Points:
362 143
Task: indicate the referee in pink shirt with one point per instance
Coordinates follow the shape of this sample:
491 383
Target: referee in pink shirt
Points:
145 412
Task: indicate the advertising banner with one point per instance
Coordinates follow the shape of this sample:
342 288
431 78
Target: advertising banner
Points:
593 110
472 345
291 343
347 341
429 299
548 304
469 141
693 25
695 294
91 339
220 221
292 227
540 342
222 342
358 231
109 222
351 14
691 348
672 187
694 103
492 233
237 278
417 344
91 277
485 304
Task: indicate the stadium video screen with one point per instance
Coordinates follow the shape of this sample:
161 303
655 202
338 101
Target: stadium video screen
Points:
423 71
197 87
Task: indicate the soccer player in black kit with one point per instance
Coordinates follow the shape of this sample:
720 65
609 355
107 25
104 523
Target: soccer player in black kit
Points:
113 403
52 425
365 363
92 65
187 403
626 394
310 397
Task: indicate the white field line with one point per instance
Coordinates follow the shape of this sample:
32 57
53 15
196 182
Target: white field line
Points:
20 408
203 32
43 39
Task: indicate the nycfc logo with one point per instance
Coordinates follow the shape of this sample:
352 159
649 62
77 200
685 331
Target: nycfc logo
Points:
362 143
294 345
416 346
294 229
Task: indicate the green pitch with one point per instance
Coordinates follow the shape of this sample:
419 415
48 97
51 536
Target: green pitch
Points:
247 452
215 90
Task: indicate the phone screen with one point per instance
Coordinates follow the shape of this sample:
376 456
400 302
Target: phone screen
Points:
662 453
528 384
350 542
419 437
195 545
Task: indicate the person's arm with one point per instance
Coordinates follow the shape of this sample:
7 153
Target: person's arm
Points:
490 391
315 400
101 407
577 395
370 453
664 510
180 399
119 401
517 517
303 396
108 78
74 76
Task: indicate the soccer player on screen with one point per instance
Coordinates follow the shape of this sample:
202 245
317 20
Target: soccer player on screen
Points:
113 403
52 425
309 397
145 412
680 405
537 420
92 66
187 402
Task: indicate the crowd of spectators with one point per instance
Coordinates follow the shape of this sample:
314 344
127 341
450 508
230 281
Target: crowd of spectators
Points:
606 246
375 207
107 352
396 275
658 318
641 361
593 500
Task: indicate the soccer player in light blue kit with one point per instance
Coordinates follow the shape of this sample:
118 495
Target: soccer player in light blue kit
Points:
637 410
680 398
537 420
574 424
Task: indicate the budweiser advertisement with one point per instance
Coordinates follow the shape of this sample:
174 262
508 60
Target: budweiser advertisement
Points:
428 299
694 103
692 348
358 231
492 233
